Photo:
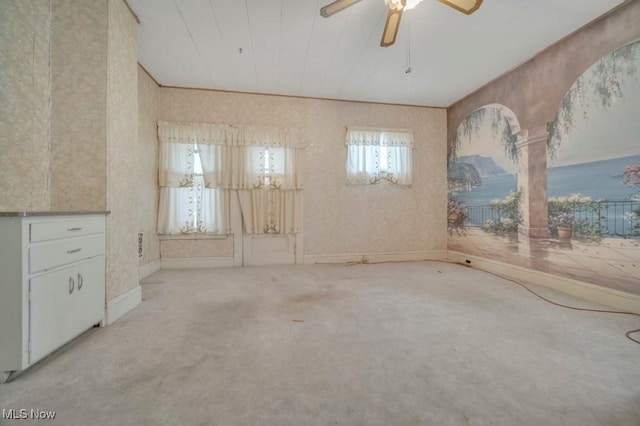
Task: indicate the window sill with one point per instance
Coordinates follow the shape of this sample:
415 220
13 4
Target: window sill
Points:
164 237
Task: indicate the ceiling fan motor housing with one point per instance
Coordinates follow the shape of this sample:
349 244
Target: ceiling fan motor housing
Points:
396 4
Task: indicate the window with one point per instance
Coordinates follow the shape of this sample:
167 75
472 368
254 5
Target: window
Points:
374 156
384 160
188 203
210 205
272 204
268 164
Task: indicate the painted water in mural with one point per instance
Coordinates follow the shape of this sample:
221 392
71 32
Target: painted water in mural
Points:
599 180
593 181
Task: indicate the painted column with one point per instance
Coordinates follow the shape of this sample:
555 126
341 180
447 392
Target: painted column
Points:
532 182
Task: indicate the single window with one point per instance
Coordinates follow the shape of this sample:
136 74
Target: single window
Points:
374 156
384 160
188 205
267 165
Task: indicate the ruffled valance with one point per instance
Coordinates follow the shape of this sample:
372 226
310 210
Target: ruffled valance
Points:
364 136
228 135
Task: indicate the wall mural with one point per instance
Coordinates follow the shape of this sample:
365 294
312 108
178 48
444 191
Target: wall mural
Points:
593 181
482 176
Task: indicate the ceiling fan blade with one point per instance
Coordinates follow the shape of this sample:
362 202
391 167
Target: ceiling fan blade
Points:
336 7
391 27
464 6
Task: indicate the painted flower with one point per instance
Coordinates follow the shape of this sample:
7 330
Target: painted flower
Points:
506 221
631 175
563 220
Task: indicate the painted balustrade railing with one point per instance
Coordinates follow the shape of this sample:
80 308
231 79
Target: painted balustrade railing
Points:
590 219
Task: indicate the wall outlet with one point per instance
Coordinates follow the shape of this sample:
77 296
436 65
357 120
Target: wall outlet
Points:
140 244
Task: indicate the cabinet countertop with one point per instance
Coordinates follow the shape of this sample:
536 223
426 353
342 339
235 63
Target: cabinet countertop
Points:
53 213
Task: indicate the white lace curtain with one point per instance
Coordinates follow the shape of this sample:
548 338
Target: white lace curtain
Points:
187 203
262 165
374 155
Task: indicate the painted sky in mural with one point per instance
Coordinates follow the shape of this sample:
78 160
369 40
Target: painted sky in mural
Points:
485 142
604 133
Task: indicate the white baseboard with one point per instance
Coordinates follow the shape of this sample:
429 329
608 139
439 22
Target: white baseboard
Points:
376 257
197 262
122 304
605 296
145 270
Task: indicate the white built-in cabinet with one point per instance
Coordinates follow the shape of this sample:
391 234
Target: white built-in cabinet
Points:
52 283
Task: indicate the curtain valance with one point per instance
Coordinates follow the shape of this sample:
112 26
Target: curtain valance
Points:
228 135
364 136
246 157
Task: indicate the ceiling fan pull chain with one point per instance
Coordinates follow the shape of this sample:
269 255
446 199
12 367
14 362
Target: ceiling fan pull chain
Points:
408 69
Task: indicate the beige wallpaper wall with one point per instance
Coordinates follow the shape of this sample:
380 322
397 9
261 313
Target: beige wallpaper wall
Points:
341 219
25 110
69 107
147 187
79 98
147 167
179 249
122 150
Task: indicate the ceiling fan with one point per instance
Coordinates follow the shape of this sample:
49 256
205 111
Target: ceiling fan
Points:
396 7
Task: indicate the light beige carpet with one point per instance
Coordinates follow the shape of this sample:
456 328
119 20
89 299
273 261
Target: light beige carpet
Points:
387 344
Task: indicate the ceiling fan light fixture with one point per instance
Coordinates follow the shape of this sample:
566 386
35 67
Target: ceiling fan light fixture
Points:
402 4
395 4
464 6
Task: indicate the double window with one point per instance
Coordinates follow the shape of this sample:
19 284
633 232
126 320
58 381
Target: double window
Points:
203 165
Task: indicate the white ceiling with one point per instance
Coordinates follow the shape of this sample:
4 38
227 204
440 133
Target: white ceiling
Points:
289 49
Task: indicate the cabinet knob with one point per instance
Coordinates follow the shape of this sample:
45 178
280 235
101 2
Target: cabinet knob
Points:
78 228
72 285
80 281
73 251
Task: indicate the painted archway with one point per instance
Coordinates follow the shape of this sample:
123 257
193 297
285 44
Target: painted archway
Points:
482 151
482 169
594 148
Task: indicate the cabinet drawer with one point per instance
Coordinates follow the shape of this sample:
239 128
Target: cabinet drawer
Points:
64 252
45 231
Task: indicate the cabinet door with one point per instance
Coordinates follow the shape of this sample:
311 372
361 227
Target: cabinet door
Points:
51 311
89 303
